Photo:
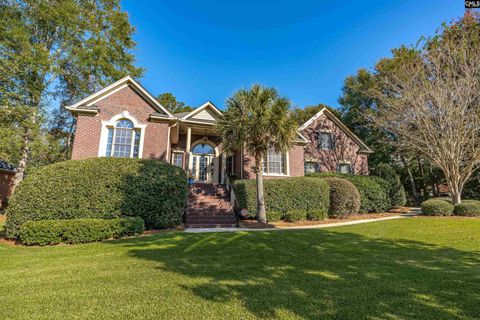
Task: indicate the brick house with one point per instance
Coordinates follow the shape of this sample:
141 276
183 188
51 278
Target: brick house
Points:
124 120
7 174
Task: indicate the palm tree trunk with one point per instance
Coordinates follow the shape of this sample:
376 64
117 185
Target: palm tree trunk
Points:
261 215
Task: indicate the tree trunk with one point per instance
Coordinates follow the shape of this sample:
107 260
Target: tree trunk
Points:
410 178
423 184
21 164
261 215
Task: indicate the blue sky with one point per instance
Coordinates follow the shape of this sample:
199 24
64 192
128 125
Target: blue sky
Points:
205 50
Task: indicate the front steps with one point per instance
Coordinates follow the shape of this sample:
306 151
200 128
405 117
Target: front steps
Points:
208 206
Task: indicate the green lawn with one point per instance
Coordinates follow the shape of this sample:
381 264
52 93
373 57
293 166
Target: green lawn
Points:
419 268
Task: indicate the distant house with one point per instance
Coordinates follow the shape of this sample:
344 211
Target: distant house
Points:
125 120
7 173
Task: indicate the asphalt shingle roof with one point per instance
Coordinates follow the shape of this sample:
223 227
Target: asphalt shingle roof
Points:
6 166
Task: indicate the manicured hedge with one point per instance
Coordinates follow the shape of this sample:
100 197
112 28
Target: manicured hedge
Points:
316 215
102 188
282 195
470 208
397 194
374 191
295 215
274 216
344 197
436 207
50 232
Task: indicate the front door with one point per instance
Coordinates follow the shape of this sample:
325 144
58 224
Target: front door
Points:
202 167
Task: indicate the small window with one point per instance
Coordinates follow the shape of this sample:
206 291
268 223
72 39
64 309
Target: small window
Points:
229 165
311 167
344 168
326 141
274 162
177 159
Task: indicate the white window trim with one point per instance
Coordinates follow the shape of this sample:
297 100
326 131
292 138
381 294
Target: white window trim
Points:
102 148
173 157
287 168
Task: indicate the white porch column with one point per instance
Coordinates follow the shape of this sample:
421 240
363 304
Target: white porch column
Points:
189 139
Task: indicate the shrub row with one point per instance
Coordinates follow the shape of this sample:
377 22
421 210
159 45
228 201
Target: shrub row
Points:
50 232
296 215
283 195
374 191
344 198
442 207
397 194
100 188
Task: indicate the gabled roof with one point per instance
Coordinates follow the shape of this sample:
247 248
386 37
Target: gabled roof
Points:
207 105
339 123
88 104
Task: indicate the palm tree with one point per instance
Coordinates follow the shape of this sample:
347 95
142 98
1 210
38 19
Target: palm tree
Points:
257 119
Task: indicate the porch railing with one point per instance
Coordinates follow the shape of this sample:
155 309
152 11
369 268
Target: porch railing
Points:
233 198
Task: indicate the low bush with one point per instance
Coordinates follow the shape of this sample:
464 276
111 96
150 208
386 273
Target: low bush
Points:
100 188
436 207
285 194
469 208
274 216
397 191
374 191
316 215
50 232
295 215
344 198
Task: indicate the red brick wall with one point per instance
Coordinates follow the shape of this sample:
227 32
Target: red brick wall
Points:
346 149
295 159
87 134
6 180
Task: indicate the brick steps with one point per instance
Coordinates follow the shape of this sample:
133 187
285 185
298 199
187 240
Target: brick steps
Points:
208 206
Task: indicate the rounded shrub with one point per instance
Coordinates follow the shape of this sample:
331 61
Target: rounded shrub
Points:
295 215
436 207
285 194
469 208
50 232
374 191
274 216
101 188
397 194
316 215
344 198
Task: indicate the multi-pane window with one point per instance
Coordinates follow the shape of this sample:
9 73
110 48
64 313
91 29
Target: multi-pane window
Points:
344 168
123 140
326 141
229 164
178 159
310 167
274 162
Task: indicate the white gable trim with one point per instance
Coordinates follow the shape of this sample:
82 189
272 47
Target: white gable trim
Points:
115 87
340 124
207 104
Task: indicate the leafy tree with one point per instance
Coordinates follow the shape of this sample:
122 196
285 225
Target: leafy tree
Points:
170 102
303 115
430 100
257 119
53 50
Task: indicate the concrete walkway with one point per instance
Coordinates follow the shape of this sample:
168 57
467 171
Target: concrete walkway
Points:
318 226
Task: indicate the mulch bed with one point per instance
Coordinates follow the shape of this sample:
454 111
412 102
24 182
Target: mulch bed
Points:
253 224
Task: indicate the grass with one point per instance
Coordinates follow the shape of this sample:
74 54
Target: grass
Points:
419 268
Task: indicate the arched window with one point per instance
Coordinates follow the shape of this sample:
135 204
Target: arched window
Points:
203 149
123 140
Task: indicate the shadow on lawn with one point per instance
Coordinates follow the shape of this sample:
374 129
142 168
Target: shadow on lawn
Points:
321 274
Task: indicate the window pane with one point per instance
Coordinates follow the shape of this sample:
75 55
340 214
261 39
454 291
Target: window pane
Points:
122 143
125 123
178 159
136 144
344 168
203 149
229 165
275 163
109 142
310 167
325 140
